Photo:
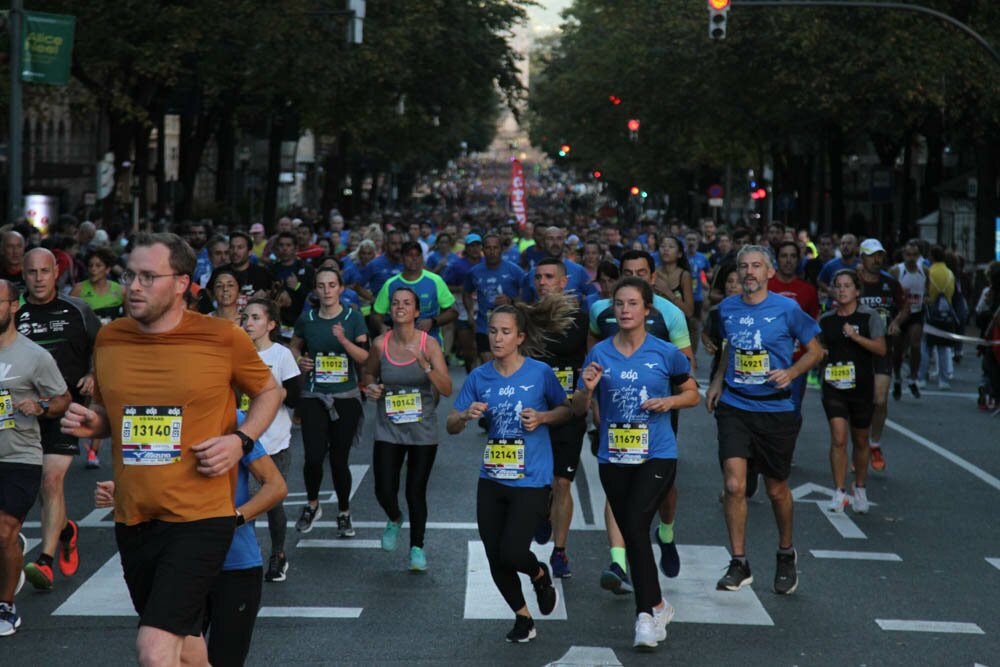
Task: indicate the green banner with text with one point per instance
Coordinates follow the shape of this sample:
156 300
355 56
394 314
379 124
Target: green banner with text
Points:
48 48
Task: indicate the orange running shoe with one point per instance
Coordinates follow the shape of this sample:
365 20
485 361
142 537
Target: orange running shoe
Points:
69 556
39 575
878 461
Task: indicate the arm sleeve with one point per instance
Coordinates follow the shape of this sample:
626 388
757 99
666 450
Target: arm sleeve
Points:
445 298
813 303
469 285
381 305
300 327
467 394
47 379
592 318
90 322
293 391
804 327
680 367
677 325
586 362
876 327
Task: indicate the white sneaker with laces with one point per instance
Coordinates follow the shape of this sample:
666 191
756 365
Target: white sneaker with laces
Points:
645 632
838 502
662 618
860 504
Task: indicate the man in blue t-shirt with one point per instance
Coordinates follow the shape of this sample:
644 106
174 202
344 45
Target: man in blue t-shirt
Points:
386 265
753 406
494 283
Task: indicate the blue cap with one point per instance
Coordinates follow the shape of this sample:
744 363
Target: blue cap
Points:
473 238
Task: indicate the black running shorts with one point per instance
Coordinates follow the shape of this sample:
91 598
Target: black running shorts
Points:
766 437
54 441
567 442
19 484
856 410
170 568
482 343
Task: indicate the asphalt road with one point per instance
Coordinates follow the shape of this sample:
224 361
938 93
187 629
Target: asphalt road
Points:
911 583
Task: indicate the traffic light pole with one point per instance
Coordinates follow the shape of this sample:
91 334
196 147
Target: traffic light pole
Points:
14 168
851 4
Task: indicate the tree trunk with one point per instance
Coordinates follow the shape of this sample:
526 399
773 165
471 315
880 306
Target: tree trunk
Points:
273 168
196 130
930 200
141 134
835 153
225 162
987 172
906 217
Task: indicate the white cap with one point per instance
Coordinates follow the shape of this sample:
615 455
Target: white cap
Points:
871 246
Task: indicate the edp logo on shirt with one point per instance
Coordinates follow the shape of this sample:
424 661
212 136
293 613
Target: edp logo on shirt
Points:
629 375
506 391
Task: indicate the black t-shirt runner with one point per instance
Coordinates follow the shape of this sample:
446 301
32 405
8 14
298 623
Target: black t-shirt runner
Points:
66 327
849 369
885 297
566 352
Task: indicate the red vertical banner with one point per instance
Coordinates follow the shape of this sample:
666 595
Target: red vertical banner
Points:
518 197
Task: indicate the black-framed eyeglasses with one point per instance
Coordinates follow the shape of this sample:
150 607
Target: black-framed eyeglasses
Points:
145 278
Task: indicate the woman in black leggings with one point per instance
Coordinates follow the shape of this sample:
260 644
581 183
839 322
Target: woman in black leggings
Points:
633 375
329 344
405 375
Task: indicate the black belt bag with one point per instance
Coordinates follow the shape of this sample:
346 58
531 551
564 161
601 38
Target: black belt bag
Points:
777 396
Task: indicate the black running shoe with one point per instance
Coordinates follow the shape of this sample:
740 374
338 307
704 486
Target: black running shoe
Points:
915 390
523 631
308 516
615 579
670 560
737 576
786 579
277 567
545 592
897 391
344 526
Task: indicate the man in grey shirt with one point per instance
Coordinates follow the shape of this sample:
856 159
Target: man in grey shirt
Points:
30 385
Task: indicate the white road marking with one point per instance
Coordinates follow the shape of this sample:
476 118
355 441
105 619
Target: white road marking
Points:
30 543
431 525
94 519
339 544
693 594
995 562
587 656
597 497
310 612
358 472
941 451
841 522
929 626
483 600
856 555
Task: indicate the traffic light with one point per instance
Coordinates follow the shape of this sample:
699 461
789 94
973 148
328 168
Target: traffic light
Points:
717 10
564 150
759 193
634 190
614 99
597 173
633 129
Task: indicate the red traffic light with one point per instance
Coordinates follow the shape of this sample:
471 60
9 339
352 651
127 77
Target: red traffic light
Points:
564 148
719 5
597 173
634 190
633 125
759 193
614 99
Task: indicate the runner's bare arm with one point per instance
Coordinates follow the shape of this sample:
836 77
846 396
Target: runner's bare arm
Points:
272 488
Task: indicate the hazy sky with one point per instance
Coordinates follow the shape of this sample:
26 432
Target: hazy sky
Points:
546 16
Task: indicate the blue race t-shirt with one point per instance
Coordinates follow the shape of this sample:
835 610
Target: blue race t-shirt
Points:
628 382
378 271
836 264
699 265
244 552
761 338
434 258
514 450
665 321
489 283
454 275
512 255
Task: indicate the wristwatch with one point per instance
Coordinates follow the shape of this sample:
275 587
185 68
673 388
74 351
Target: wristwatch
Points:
44 405
247 442
240 519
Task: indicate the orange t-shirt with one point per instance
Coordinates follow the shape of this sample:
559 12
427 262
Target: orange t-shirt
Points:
163 394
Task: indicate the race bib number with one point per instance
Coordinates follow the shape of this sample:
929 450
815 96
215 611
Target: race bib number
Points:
404 406
151 435
331 368
628 443
503 458
567 380
6 410
841 376
752 366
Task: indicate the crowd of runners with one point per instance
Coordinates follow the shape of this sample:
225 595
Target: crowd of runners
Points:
198 353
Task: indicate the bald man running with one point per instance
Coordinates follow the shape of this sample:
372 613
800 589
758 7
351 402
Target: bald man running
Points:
66 327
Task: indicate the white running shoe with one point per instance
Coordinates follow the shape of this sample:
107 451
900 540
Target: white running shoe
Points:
662 618
839 501
860 502
645 632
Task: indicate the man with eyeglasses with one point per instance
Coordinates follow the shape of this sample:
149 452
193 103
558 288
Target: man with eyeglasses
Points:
164 379
66 327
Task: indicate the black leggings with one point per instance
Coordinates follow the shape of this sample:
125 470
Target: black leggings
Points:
508 516
635 494
230 613
319 436
387 466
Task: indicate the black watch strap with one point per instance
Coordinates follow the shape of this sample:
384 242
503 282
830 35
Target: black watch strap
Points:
247 442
